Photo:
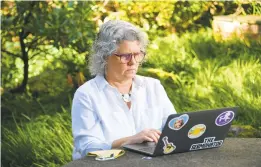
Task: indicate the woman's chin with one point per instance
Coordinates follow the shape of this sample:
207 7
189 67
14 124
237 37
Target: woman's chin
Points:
130 75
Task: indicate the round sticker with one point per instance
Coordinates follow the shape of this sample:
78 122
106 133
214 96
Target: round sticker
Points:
196 131
178 122
225 118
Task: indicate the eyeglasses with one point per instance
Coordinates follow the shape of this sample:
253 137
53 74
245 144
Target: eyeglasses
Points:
125 58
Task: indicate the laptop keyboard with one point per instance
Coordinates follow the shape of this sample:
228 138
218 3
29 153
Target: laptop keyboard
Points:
148 149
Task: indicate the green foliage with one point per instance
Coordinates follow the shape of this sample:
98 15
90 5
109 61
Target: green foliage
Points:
57 23
199 73
44 141
196 71
244 131
32 32
63 25
25 107
161 19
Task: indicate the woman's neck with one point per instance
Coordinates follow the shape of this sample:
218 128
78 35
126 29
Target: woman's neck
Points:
123 86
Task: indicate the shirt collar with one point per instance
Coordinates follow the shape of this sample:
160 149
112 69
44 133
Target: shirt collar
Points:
102 83
138 81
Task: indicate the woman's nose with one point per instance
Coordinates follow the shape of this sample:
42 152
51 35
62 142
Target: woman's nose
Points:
132 60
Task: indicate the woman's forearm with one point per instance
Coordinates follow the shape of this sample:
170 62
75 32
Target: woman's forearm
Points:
121 142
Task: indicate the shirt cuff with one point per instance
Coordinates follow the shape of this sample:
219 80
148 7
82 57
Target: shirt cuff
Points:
97 146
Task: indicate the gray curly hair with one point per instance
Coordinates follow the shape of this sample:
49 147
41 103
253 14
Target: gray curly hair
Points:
111 34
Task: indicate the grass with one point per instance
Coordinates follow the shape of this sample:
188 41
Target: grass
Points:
196 71
45 141
200 73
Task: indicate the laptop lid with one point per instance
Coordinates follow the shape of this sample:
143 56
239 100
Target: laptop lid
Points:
193 131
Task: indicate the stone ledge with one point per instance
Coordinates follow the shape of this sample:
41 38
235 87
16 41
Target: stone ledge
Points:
244 131
242 27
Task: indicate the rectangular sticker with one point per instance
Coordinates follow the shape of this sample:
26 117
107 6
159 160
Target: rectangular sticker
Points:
209 142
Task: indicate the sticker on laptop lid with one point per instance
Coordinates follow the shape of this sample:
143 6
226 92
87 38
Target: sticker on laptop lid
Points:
209 142
197 131
178 122
224 118
168 147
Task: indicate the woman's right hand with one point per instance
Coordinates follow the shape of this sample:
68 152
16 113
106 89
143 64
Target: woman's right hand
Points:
151 135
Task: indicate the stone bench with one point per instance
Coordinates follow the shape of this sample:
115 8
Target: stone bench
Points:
235 152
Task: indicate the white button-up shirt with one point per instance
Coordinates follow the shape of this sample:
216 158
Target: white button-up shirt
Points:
100 116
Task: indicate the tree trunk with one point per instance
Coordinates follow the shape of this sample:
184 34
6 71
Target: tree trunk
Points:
22 87
22 35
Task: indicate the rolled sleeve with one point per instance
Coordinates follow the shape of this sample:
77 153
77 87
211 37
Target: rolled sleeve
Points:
86 127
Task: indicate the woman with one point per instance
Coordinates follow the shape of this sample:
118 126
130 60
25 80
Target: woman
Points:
118 107
178 123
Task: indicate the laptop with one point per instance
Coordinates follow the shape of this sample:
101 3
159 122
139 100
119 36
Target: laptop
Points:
190 131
